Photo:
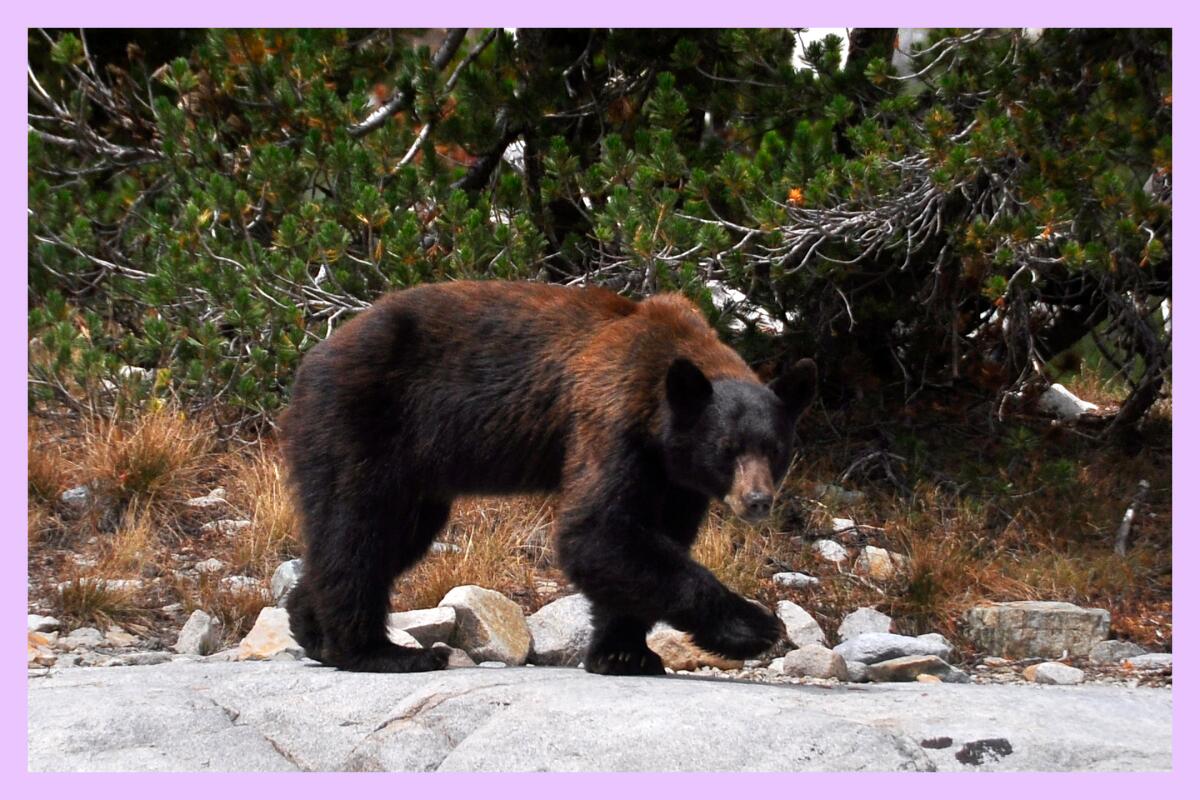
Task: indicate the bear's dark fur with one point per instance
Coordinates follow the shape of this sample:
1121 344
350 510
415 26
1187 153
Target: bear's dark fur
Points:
635 413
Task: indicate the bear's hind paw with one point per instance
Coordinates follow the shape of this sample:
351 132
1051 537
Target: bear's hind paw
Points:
621 662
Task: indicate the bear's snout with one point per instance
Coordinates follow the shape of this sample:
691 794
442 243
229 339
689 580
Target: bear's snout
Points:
753 490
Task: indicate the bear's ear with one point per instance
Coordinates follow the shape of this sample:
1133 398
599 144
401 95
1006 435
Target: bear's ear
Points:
688 391
796 387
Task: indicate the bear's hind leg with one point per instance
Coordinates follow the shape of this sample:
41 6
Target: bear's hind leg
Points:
618 646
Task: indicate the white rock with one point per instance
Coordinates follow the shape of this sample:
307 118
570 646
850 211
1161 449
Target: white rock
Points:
831 551
871 648
201 635
241 583
42 624
426 625
456 657
77 496
1054 673
936 638
842 525
271 634
81 637
402 637
801 628
284 579
226 526
863 620
879 564
776 664
119 637
561 631
130 372
815 661
794 580
214 498
857 672
1151 661
210 565
490 626
1114 651
834 494
1059 402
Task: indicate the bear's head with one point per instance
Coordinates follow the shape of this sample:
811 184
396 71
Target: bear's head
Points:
732 439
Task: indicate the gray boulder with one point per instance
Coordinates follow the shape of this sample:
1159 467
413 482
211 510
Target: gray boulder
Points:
909 668
284 579
561 631
490 626
831 551
1114 651
815 661
1151 661
871 648
794 580
426 625
863 620
1036 629
856 672
801 628
1054 673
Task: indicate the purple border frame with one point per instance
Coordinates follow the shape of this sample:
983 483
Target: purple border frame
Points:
629 13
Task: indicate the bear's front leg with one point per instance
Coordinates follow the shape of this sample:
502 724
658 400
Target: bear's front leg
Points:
618 646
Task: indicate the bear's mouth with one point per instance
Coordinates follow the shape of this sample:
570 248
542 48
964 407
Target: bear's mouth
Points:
753 491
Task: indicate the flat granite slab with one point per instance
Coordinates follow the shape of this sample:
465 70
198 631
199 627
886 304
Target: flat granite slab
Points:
301 716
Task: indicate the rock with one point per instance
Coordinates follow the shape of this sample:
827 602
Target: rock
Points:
201 635
210 565
114 585
426 625
214 498
871 648
1059 402
492 664
996 661
81 637
444 547
284 579
879 564
937 638
923 678
172 609
271 634
490 626
863 620
146 658
1150 661
39 624
836 495
1035 629
801 628
1113 651
831 551
815 661
285 716
1053 672
456 656
840 525
856 672
40 651
776 664
679 652
794 580
119 637
402 637
78 496
241 583
226 526
909 668
561 631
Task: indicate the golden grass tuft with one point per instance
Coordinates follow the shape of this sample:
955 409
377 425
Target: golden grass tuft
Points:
132 547
501 541
90 601
48 471
259 488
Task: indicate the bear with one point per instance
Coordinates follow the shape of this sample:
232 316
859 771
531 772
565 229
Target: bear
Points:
633 412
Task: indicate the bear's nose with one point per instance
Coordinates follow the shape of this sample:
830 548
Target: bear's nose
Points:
758 504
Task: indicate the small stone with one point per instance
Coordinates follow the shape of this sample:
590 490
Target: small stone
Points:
909 668
863 620
456 657
856 672
815 661
871 648
426 625
679 652
840 525
1054 673
40 624
146 658
241 583
118 637
800 626
402 637
1150 661
284 579
81 637
271 634
1113 651
77 496
201 634
172 609
924 678
226 526
492 664
214 498
936 638
879 564
996 661
40 652
444 547
210 565
834 494
831 551
561 631
794 580
490 626
776 664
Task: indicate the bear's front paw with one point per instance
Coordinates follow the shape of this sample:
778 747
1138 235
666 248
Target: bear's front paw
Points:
624 662
740 630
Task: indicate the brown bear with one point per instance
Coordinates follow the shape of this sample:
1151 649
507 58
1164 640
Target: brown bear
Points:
635 413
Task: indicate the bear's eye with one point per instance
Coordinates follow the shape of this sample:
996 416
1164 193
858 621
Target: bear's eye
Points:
727 447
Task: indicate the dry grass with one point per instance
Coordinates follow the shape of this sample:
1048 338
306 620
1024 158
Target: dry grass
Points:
501 542
237 608
49 471
132 547
89 601
259 487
